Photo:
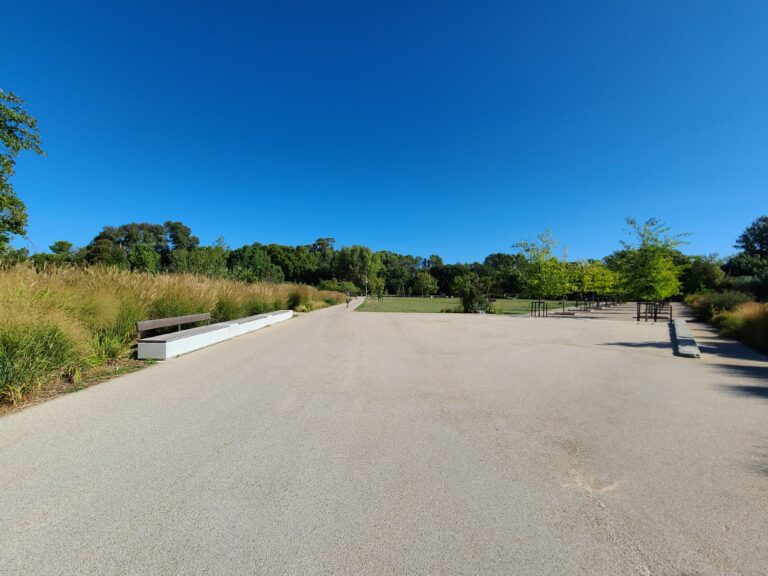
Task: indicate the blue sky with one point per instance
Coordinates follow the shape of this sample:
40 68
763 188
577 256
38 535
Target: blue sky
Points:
455 128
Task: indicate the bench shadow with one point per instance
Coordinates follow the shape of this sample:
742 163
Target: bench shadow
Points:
647 344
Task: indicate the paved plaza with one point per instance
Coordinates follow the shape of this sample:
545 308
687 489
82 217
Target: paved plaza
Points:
351 443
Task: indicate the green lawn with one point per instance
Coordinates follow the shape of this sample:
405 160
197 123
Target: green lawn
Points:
392 304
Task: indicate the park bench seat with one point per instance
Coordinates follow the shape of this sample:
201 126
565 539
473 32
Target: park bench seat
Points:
177 321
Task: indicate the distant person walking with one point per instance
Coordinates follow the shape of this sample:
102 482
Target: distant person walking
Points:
349 299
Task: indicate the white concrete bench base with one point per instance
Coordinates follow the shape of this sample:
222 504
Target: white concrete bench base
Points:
178 343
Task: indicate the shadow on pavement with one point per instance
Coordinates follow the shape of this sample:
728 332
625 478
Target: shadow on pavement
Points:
760 373
647 344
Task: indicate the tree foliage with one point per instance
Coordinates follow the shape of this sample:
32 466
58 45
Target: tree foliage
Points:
649 265
472 290
754 240
544 274
18 132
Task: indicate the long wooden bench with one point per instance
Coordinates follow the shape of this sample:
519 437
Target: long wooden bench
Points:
177 321
166 346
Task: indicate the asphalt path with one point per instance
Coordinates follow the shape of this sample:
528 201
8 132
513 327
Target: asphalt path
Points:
361 443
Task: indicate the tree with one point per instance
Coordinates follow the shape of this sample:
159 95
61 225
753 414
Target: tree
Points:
473 293
144 258
251 263
505 272
357 264
424 284
113 244
754 240
702 273
61 247
18 131
544 275
204 260
179 236
649 265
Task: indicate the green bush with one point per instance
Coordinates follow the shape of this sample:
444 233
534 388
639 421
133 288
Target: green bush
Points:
705 306
748 284
29 356
473 293
339 286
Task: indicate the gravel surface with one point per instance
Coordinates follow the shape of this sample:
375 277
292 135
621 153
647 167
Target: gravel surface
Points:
350 443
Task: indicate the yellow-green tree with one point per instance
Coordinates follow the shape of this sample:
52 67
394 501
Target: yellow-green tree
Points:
647 266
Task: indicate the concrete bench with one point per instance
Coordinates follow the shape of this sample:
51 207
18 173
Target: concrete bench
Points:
686 343
167 346
177 343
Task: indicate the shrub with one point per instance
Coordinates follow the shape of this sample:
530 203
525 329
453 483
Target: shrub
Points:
706 305
748 284
30 355
473 293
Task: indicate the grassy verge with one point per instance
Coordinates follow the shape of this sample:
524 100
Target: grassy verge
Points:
393 304
64 325
735 315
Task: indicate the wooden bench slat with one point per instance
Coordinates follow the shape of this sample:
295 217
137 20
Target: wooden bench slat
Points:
175 321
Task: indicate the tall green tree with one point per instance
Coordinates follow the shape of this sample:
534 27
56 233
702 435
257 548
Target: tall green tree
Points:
754 240
18 132
424 284
179 236
544 274
649 265
252 264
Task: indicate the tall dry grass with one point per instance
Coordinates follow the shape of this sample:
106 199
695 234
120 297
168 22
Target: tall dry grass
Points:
64 320
735 316
748 322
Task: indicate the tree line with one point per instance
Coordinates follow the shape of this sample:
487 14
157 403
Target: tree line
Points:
648 266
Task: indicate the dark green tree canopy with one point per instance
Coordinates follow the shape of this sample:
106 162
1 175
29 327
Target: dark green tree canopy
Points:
179 236
18 131
61 247
754 240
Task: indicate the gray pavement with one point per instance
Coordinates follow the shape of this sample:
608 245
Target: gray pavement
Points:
348 443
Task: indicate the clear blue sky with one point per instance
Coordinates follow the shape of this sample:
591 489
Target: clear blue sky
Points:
455 128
